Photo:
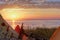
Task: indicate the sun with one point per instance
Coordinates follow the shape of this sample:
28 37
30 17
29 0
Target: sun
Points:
13 13
14 16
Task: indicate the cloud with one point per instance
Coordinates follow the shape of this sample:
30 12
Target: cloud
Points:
30 4
53 0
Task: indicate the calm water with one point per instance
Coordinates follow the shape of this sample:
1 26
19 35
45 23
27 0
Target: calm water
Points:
38 23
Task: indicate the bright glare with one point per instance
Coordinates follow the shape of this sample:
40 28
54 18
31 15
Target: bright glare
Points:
13 16
13 13
13 24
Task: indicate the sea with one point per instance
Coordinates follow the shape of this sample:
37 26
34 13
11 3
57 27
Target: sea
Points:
36 23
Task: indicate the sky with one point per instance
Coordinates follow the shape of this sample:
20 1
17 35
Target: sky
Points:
54 0
15 12
30 14
30 3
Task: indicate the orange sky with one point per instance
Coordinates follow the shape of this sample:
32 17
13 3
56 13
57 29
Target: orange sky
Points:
35 13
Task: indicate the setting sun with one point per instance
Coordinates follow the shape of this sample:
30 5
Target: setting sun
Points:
13 13
26 14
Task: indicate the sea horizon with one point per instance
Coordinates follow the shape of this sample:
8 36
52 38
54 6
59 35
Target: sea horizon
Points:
37 23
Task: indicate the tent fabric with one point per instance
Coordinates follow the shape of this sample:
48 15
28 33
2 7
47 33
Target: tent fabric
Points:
21 32
25 37
6 30
56 35
17 29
